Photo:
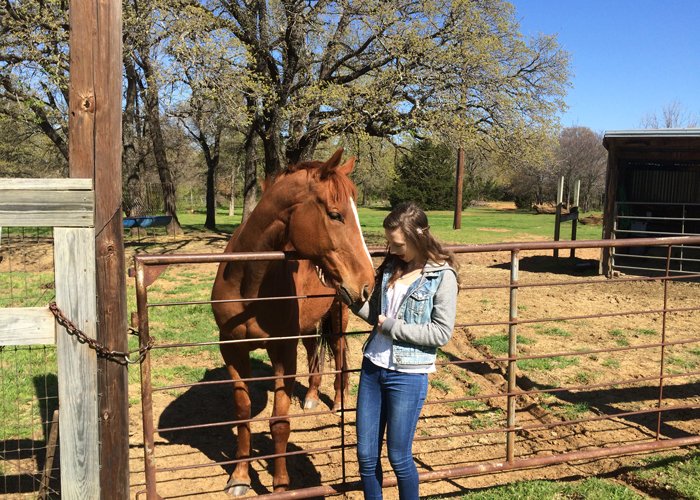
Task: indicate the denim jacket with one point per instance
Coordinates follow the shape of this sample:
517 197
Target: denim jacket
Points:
425 318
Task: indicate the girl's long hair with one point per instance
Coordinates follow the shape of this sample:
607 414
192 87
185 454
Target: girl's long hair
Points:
413 222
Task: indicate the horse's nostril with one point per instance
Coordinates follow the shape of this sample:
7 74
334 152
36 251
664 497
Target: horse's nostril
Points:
365 293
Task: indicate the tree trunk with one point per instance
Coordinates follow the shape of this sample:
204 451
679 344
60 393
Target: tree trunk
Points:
156 133
250 180
132 162
212 160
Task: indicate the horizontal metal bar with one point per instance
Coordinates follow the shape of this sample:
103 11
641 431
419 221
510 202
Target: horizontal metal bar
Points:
152 260
682 259
587 316
491 467
657 203
231 423
644 231
247 300
692 273
636 217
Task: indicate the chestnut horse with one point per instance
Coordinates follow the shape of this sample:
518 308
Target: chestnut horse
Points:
310 209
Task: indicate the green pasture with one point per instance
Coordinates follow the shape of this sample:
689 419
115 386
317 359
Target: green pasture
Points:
479 225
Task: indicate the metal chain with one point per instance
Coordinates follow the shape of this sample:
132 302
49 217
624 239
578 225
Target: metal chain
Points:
122 358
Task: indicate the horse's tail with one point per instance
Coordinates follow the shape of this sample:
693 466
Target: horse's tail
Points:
330 333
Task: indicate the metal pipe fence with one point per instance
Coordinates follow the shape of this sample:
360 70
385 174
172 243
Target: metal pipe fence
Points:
519 412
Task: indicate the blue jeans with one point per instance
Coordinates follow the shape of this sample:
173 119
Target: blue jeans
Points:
389 400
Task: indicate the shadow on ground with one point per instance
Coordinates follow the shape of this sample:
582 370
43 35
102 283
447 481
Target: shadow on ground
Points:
211 404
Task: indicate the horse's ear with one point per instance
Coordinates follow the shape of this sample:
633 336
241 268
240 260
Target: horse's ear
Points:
347 167
332 163
334 160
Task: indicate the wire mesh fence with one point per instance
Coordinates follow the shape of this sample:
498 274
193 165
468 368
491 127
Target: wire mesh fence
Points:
28 383
29 422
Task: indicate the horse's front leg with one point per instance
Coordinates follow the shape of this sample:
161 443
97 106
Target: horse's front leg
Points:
335 326
284 362
238 366
314 362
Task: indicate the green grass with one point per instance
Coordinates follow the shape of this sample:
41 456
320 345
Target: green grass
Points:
678 476
589 489
546 364
513 225
646 331
29 389
567 411
611 363
26 289
584 377
498 344
470 405
486 420
619 337
439 384
683 363
552 331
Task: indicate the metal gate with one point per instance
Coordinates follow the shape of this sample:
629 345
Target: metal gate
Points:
508 424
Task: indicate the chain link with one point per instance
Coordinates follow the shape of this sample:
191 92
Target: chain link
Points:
122 358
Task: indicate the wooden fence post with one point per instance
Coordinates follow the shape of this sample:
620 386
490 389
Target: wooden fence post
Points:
95 152
74 250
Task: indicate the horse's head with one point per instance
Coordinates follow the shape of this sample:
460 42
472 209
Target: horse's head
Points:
324 227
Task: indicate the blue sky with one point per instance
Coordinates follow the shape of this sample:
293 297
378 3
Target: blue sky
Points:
629 58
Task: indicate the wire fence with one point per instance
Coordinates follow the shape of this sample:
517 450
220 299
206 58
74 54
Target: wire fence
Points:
28 383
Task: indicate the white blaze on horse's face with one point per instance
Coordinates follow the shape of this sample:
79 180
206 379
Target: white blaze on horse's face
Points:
359 229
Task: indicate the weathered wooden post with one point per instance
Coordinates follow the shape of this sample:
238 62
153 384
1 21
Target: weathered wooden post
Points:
574 216
95 152
557 215
459 180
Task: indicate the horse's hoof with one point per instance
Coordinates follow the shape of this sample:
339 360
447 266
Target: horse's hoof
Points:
236 488
337 408
310 404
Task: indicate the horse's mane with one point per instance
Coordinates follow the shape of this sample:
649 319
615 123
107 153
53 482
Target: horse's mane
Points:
342 188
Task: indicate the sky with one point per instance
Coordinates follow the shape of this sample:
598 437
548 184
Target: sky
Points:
629 58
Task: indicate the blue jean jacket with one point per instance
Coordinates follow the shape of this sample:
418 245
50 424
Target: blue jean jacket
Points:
416 308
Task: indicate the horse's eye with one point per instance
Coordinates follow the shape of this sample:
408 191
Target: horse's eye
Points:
336 216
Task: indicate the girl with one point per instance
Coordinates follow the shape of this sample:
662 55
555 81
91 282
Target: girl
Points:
412 309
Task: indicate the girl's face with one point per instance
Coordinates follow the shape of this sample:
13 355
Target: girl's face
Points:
405 250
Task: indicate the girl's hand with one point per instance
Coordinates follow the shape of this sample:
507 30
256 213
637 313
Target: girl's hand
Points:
380 320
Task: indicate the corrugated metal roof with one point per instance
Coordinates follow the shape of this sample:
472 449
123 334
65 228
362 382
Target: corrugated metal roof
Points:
651 133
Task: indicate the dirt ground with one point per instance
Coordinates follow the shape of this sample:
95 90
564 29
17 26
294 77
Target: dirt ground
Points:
621 381
619 378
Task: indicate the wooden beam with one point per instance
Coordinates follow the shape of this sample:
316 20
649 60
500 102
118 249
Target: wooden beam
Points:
74 251
95 149
27 326
46 208
48 184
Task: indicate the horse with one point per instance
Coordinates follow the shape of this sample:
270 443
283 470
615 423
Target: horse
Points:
309 208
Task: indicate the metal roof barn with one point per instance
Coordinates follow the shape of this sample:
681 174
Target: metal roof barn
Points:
652 190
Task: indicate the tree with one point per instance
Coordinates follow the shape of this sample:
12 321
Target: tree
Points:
453 69
206 64
34 67
426 175
673 115
581 155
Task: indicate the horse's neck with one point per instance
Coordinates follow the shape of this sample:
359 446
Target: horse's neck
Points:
265 230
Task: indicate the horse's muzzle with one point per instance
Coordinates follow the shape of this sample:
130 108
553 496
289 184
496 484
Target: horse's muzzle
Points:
345 295
350 298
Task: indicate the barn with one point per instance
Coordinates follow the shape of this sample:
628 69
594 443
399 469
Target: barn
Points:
652 190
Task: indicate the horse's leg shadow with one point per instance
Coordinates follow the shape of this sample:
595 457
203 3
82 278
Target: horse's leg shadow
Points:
204 404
